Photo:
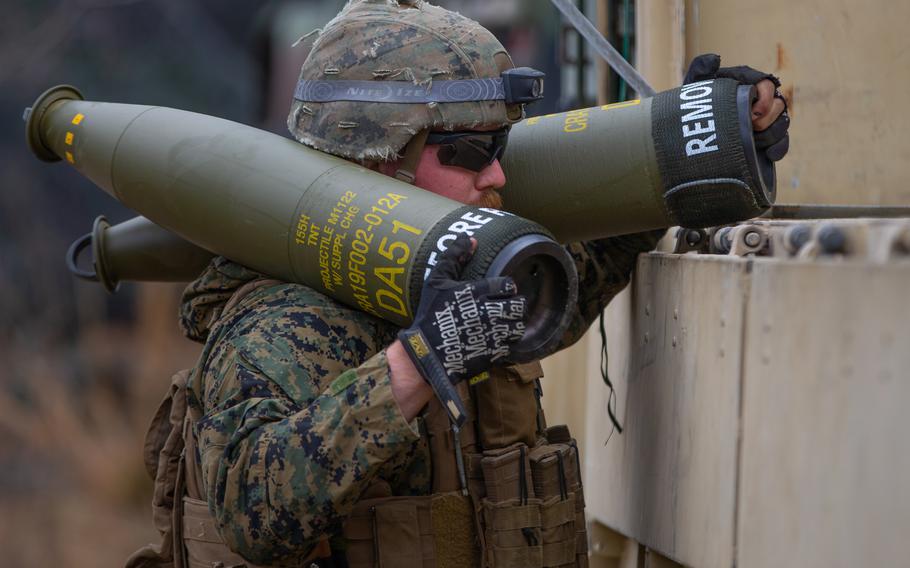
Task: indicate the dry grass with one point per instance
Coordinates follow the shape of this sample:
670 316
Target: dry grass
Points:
73 489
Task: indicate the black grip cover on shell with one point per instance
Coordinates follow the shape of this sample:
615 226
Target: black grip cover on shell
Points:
511 246
706 154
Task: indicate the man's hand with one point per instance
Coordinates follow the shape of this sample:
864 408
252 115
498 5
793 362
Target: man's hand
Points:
770 120
462 328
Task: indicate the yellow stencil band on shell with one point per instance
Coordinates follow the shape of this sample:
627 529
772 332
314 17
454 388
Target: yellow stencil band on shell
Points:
625 104
78 119
69 139
70 158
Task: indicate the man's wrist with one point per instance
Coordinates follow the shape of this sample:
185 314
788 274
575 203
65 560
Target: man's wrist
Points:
409 389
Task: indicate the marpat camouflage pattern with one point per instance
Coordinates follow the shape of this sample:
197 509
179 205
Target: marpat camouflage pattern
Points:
414 44
298 417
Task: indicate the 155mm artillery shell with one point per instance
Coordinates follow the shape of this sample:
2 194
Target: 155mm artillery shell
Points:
298 214
685 157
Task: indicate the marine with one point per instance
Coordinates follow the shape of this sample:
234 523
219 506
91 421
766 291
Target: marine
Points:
307 434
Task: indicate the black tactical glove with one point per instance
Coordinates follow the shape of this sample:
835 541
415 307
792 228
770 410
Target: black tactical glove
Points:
774 141
462 328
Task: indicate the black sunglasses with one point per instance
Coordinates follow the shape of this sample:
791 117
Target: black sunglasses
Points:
472 150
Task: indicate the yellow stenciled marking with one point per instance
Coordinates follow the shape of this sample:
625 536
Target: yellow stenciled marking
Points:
479 378
419 347
535 119
70 158
69 138
78 119
625 104
576 121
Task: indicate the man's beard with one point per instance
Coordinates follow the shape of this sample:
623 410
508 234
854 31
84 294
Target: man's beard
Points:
491 199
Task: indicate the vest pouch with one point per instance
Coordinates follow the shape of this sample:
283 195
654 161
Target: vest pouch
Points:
474 470
557 530
391 531
512 533
550 464
441 442
573 478
507 473
202 540
511 514
418 532
503 402
559 435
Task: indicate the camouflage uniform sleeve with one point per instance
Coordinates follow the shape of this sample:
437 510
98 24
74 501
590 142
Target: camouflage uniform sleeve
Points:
290 439
604 269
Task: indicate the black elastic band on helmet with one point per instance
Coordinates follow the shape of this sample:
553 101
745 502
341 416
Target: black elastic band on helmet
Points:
515 86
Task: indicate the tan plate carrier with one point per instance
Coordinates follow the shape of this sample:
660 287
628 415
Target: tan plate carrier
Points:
522 507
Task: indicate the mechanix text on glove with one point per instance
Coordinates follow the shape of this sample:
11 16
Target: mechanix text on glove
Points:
462 328
476 333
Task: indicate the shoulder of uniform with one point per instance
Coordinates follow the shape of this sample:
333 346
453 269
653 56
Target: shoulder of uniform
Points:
296 337
304 305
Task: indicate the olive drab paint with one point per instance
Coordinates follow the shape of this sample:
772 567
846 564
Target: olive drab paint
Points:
583 174
685 157
679 158
295 213
137 250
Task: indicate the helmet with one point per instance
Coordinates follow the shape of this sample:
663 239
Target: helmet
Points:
383 71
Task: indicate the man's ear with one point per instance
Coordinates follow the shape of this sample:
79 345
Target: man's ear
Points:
371 165
385 168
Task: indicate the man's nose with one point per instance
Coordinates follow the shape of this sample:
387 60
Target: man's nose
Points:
491 177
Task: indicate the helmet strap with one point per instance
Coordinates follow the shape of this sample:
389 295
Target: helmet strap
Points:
407 170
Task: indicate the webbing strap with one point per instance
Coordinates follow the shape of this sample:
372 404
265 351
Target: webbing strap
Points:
558 553
517 557
557 513
407 170
511 516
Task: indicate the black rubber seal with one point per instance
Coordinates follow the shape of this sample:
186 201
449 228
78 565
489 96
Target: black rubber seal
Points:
763 170
509 245
545 274
492 237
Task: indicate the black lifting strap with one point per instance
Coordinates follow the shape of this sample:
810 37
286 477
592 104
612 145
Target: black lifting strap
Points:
611 400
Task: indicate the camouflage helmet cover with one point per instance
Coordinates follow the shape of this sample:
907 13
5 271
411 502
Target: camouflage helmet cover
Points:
385 40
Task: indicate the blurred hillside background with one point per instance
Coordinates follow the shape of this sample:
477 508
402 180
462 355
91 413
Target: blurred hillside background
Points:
82 371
